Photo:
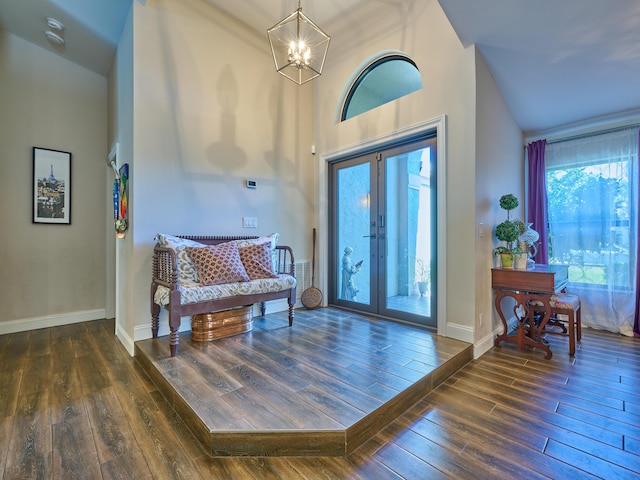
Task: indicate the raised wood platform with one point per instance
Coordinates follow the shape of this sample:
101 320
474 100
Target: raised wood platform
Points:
320 388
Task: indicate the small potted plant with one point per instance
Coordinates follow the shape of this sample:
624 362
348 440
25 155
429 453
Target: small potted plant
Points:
422 275
507 231
521 248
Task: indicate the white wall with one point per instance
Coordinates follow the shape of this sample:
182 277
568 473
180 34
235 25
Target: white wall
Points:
448 72
197 108
121 132
51 274
209 111
499 170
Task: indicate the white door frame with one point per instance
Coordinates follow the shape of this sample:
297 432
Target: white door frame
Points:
439 125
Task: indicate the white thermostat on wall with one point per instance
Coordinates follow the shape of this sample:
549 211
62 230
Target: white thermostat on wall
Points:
252 184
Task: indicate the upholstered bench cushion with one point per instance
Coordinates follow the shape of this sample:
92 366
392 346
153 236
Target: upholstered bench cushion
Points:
193 293
562 300
565 300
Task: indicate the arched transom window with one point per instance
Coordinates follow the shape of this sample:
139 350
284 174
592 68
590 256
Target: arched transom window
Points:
388 77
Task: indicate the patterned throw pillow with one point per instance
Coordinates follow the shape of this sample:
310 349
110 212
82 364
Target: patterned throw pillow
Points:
217 264
187 272
271 239
258 261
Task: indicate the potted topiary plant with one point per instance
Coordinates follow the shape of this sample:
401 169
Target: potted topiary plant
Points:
507 231
521 248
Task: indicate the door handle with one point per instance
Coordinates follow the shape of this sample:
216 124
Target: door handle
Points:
369 236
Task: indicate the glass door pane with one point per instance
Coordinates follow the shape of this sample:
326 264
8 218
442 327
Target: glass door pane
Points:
353 274
406 200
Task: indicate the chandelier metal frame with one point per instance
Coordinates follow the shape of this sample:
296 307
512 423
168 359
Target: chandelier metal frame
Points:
299 47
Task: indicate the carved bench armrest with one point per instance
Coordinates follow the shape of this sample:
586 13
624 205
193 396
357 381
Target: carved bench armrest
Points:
285 262
165 267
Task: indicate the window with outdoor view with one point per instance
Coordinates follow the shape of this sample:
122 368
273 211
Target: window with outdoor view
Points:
592 202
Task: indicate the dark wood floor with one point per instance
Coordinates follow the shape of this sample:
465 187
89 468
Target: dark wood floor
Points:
319 389
74 404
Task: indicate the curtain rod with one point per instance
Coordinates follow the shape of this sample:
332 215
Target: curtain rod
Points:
590 134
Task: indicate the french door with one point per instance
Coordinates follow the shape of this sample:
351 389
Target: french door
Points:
383 232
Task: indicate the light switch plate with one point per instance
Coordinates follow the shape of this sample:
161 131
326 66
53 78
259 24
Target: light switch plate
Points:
249 222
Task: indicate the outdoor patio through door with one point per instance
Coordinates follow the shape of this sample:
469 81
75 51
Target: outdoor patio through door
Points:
383 232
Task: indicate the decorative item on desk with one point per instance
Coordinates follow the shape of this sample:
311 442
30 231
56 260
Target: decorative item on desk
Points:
527 243
520 250
506 257
520 257
507 231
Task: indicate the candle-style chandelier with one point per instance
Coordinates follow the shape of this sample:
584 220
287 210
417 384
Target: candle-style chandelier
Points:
299 47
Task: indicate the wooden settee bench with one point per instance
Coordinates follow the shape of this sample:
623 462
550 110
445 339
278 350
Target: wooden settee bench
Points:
176 287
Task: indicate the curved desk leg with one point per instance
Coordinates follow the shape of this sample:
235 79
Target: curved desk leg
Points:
528 333
500 294
533 334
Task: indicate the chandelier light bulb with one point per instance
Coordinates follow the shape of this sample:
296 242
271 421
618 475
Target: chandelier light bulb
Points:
299 54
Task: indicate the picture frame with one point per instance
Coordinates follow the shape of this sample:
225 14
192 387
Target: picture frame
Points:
51 186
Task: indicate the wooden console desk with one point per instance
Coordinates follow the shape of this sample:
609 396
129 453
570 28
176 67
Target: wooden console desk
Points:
535 284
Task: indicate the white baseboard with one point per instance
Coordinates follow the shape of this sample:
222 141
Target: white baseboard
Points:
464 333
126 340
143 332
280 305
460 332
24 324
485 344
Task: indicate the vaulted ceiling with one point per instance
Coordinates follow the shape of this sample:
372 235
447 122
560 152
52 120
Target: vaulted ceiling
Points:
555 61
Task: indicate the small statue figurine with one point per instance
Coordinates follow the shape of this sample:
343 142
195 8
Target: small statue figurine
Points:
349 290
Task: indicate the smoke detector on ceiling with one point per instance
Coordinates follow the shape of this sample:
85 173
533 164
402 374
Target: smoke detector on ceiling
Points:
55 24
54 38
54 34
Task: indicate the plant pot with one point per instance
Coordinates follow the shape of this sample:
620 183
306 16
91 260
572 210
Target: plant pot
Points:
507 260
422 287
520 261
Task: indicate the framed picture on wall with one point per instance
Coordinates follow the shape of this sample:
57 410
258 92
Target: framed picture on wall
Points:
51 186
